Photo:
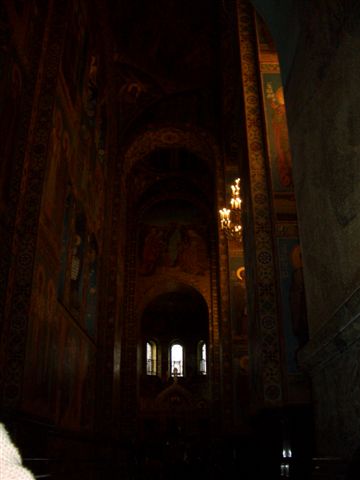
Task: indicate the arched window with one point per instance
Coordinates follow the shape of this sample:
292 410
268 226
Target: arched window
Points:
177 360
151 358
202 358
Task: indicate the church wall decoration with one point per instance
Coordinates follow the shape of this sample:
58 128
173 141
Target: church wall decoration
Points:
238 311
77 261
65 245
60 152
101 135
293 303
42 367
265 352
237 285
91 300
75 51
91 88
77 281
59 376
76 397
90 171
33 165
67 359
11 86
277 136
275 121
276 128
38 355
238 307
173 238
287 240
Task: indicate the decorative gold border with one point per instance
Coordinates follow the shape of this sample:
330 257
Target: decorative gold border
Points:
266 364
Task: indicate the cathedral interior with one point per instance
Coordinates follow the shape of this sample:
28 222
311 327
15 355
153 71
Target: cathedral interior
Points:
179 224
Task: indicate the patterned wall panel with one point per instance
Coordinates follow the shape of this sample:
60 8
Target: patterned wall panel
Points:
13 48
51 355
264 344
28 212
294 329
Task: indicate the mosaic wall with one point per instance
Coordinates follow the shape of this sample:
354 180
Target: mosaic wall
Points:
32 165
288 250
264 328
53 288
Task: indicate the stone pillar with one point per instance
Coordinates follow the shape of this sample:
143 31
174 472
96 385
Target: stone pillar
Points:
323 102
264 336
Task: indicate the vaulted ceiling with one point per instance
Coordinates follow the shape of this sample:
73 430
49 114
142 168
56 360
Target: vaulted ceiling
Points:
174 42
167 57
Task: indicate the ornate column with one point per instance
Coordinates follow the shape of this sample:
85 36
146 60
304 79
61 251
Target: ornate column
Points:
264 340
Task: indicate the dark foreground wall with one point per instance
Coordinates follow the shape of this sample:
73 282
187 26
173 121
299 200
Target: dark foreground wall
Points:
323 103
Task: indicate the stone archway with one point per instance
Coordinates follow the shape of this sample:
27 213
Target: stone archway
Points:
176 313
196 140
201 144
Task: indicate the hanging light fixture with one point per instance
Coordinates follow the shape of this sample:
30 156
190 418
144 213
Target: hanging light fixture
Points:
230 218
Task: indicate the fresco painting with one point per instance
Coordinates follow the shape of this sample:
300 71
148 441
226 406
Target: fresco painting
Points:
77 378
89 175
75 52
77 261
96 198
61 355
293 304
65 245
69 382
91 90
171 237
173 246
91 289
192 252
101 133
56 174
42 363
60 376
153 245
11 85
78 273
277 131
88 384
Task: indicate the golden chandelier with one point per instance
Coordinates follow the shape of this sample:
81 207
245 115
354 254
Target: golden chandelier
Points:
230 218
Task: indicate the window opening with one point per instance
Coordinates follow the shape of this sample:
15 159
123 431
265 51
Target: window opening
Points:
151 358
202 358
177 360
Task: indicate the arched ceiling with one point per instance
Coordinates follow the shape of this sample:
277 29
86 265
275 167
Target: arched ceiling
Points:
172 41
188 137
171 162
166 64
